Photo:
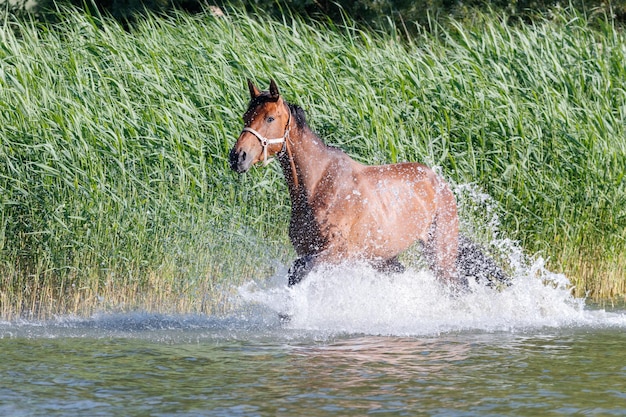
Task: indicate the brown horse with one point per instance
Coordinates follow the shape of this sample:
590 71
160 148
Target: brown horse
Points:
343 210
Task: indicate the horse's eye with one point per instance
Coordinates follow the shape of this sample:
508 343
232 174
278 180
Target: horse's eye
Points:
270 119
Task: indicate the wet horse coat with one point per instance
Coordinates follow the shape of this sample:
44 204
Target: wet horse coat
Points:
342 210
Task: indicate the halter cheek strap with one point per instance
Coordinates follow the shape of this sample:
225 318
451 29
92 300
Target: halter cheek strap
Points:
265 141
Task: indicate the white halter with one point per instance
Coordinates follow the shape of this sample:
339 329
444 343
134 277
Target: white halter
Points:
265 141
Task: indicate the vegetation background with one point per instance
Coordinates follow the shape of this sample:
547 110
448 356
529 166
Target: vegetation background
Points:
115 191
404 13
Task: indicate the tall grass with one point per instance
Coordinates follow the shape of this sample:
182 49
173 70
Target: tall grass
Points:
115 190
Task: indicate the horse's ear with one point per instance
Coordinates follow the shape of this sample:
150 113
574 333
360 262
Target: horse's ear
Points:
274 89
254 91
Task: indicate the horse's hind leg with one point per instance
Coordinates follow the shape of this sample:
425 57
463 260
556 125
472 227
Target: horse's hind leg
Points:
441 247
300 269
440 251
473 261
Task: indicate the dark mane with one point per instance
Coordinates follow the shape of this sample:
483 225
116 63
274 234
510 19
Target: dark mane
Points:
262 98
298 113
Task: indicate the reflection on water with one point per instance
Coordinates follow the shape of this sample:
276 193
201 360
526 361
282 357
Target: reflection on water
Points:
400 357
232 367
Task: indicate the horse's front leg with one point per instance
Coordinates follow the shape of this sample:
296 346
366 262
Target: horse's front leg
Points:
332 255
300 269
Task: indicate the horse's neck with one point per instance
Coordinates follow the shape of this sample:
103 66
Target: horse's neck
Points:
305 160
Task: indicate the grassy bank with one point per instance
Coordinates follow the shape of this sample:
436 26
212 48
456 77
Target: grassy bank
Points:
115 187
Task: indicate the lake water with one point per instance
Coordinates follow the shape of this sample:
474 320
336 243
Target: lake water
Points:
358 343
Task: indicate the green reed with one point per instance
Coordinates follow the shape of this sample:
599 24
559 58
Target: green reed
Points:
115 190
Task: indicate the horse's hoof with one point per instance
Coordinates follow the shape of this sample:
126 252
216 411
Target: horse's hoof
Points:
284 318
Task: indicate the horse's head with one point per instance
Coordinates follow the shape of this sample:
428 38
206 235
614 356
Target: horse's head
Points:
266 129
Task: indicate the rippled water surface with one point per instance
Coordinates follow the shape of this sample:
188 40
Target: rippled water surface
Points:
407 349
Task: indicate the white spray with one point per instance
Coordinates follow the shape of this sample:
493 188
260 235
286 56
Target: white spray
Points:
355 298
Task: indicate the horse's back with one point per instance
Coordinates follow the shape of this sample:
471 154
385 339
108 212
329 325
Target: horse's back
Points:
404 185
388 206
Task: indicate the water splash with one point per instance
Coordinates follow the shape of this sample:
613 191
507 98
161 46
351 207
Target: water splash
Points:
357 299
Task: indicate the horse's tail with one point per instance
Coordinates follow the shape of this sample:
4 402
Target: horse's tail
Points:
472 261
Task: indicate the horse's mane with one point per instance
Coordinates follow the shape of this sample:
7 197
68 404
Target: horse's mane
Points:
298 113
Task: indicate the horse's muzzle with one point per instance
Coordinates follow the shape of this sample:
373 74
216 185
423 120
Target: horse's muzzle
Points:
238 161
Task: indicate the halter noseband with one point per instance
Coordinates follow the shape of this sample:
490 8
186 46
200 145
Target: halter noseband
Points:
265 141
